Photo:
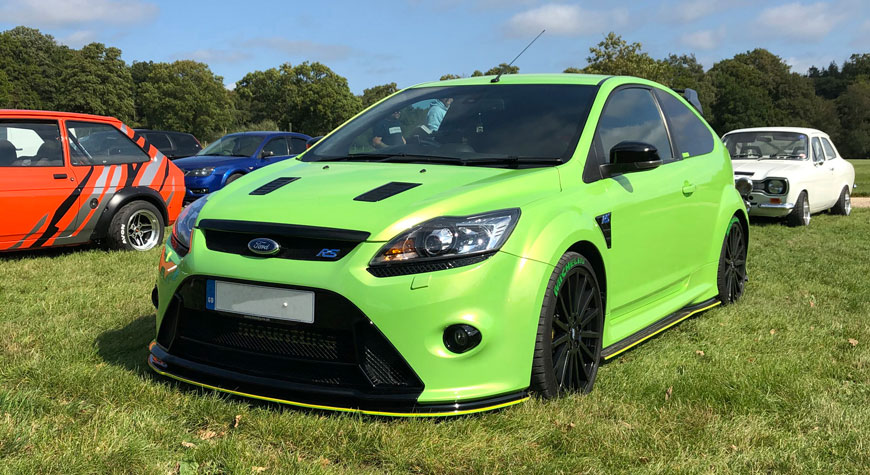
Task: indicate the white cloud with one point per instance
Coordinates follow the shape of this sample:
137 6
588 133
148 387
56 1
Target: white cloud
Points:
565 20
79 38
862 38
796 21
70 13
308 49
210 56
691 10
704 39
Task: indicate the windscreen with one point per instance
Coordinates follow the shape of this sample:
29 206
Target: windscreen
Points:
766 145
467 122
234 146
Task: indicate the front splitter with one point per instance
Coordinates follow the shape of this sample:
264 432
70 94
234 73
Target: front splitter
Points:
387 405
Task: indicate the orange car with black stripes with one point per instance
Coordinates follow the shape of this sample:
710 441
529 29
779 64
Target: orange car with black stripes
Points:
69 179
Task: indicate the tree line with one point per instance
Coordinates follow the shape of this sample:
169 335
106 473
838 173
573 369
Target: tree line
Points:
755 88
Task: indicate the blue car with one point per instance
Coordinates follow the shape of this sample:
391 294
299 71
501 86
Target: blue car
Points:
234 155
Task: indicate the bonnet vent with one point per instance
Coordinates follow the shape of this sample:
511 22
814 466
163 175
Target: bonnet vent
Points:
274 185
386 191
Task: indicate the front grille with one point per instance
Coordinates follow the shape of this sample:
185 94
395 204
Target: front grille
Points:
307 243
342 348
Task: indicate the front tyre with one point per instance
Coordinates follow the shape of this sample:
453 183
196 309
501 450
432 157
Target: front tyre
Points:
570 328
844 204
731 278
137 226
800 214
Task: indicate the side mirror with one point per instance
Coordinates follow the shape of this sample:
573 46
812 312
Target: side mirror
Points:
628 157
266 154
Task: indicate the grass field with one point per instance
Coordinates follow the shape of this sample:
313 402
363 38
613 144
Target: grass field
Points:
779 382
862 177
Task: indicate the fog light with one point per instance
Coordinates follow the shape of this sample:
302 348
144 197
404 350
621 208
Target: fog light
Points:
461 338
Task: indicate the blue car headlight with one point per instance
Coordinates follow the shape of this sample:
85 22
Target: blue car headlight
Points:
183 228
206 171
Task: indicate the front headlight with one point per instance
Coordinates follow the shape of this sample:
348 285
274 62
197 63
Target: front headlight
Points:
446 242
183 228
775 187
200 172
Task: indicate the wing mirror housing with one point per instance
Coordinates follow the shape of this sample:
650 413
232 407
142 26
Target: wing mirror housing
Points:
629 157
266 154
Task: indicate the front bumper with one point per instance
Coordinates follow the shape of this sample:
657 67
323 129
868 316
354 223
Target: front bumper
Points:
761 204
500 296
198 187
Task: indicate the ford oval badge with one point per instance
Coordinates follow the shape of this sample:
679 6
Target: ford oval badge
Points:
264 246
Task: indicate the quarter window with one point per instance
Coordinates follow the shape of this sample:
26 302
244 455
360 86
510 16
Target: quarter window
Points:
298 145
101 144
30 143
276 147
691 136
829 149
818 155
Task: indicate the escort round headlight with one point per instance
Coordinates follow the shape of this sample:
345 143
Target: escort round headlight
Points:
775 187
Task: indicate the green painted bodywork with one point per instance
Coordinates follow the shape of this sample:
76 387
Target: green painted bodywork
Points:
664 253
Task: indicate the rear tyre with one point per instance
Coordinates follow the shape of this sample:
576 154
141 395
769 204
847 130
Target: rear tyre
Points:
137 226
570 328
800 214
844 205
234 177
731 278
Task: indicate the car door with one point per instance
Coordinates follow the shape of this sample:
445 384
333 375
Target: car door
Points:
275 150
817 178
838 168
646 211
104 161
37 188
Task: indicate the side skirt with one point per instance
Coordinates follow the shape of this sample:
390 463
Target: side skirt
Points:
657 327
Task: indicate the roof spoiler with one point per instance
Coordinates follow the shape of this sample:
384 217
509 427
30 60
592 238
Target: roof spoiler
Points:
691 96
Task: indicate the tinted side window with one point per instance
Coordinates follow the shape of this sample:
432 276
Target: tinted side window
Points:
829 149
161 141
185 144
818 155
30 143
632 115
298 145
101 144
691 136
278 147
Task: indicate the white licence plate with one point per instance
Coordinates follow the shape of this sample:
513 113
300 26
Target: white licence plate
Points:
268 302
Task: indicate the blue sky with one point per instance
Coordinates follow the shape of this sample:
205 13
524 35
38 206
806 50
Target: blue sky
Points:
411 41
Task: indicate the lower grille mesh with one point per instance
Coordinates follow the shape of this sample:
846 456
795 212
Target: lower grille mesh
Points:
279 341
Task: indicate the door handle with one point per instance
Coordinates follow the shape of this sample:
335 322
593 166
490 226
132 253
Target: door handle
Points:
60 176
688 188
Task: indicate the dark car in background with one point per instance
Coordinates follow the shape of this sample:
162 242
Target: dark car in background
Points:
172 144
234 155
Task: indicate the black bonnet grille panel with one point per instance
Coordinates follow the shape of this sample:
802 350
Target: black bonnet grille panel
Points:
274 185
383 192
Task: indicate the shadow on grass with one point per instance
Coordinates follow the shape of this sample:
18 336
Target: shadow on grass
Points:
128 347
49 252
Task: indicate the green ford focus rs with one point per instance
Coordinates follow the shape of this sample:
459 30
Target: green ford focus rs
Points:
455 248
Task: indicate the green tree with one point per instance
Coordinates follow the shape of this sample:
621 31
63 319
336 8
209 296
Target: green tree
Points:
854 111
757 88
322 99
685 72
376 93
449 76
96 80
32 63
263 95
617 57
185 96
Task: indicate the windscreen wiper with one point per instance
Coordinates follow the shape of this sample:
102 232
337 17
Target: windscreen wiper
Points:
394 157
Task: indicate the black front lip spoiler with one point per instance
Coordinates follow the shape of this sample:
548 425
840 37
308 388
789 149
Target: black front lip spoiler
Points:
316 397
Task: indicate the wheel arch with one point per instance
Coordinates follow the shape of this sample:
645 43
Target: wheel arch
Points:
233 171
593 255
121 198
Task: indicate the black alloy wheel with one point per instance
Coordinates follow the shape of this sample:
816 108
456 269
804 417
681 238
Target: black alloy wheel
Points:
732 264
568 348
